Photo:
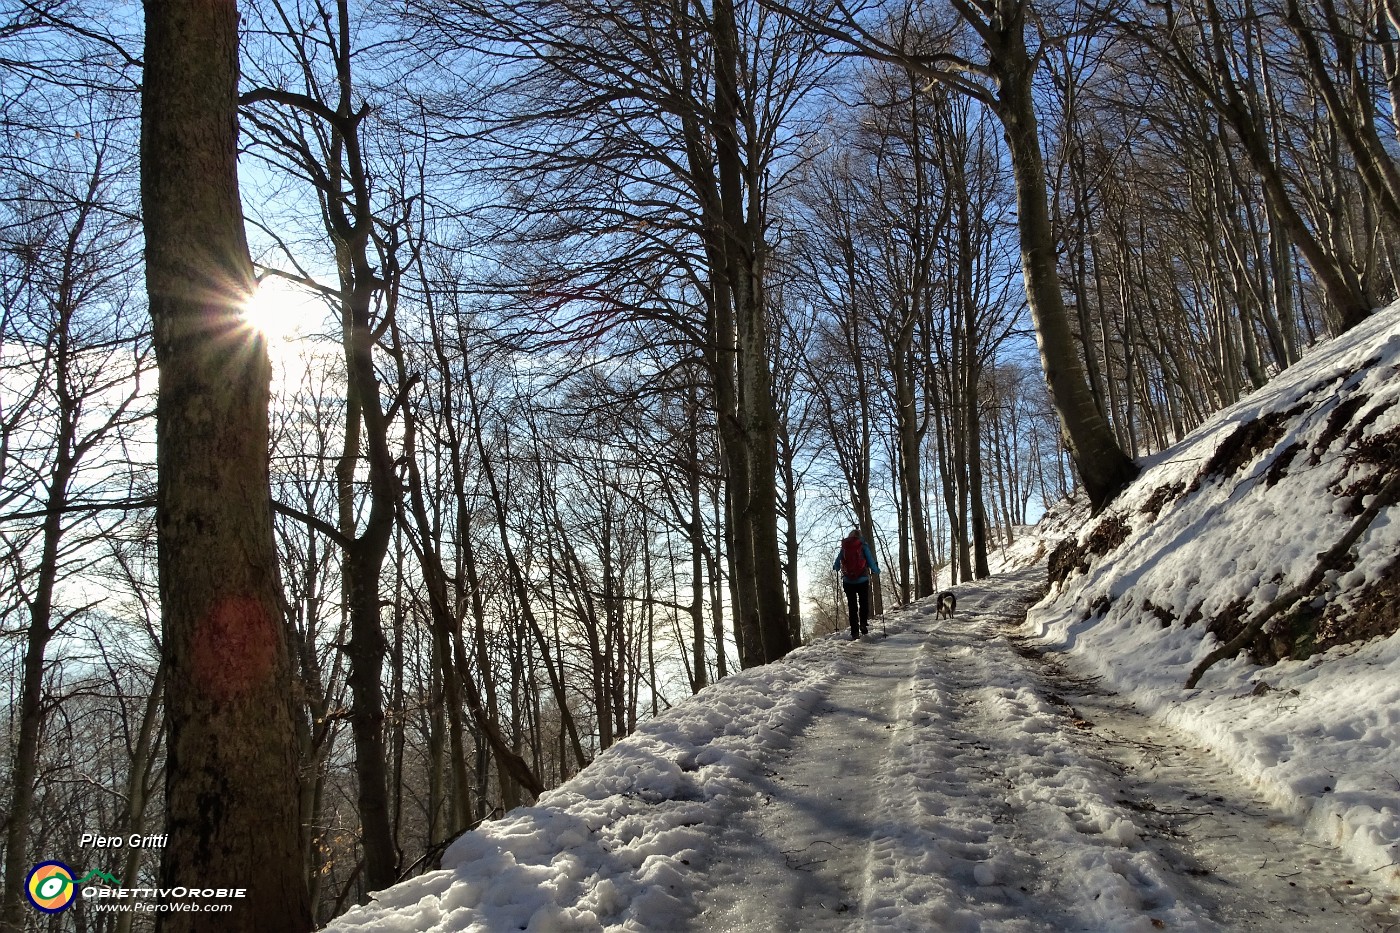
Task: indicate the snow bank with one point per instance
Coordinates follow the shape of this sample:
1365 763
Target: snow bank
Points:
1218 526
612 847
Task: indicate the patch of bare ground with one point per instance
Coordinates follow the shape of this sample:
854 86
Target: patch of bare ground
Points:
1373 612
1161 497
1070 556
1245 443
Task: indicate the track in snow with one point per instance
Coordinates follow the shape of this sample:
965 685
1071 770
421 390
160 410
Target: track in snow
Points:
953 780
796 860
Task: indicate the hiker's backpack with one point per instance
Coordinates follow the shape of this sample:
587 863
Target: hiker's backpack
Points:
853 563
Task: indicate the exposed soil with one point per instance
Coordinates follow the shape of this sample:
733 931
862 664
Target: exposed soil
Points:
1245 443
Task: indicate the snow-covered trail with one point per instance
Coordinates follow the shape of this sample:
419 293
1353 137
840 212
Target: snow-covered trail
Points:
1230 849
945 778
796 859
950 779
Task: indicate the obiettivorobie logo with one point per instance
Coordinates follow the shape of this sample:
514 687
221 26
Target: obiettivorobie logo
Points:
51 887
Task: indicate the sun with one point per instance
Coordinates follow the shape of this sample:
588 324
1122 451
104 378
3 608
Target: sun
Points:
282 311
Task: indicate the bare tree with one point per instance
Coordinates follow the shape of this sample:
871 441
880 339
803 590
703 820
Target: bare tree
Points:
76 357
319 133
1000 71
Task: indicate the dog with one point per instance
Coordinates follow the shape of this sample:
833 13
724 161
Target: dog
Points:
947 604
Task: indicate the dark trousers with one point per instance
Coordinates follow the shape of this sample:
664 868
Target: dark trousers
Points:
858 605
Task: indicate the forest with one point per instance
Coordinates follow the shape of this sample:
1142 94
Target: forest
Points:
532 356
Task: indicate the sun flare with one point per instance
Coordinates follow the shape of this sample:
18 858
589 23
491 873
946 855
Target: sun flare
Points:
282 311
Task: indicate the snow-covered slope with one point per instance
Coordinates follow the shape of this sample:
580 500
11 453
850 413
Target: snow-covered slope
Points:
1215 529
1062 520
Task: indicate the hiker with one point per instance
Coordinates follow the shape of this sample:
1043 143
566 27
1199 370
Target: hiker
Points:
856 564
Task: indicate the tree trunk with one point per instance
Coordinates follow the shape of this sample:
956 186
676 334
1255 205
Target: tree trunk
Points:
909 425
1103 467
143 760
741 237
717 588
738 538
976 487
1350 113
231 758
31 706
699 677
791 540
365 552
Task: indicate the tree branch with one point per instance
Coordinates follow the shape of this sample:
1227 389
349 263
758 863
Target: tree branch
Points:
311 521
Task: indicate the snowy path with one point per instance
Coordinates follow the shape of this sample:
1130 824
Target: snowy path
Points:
946 778
1230 850
801 850
950 779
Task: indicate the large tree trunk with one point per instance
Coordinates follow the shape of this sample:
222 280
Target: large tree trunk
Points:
231 761
742 250
909 426
1103 466
720 356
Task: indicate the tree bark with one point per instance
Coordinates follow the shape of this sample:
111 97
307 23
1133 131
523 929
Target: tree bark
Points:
231 761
